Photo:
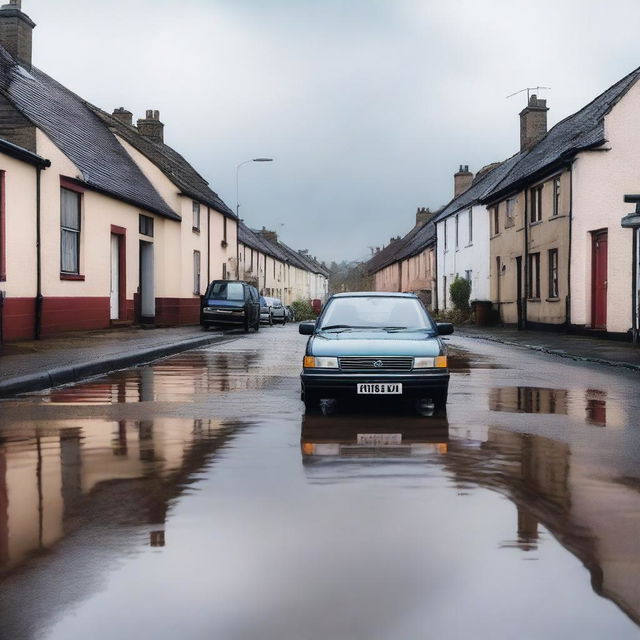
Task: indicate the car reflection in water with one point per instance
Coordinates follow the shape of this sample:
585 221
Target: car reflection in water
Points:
373 436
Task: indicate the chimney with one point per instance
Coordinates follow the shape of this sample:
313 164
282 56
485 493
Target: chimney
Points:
423 215
126 117
533 122
271 236
462 180
15 32
151 127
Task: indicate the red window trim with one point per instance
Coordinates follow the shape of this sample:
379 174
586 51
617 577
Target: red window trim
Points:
122 268
71 276
3 237
69 183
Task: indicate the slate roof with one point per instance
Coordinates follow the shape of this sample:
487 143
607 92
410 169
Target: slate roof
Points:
254 240
480 188
169 161
80 135
582 130
414 242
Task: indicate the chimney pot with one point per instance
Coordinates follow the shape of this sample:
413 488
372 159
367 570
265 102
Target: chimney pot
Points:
533 122
123 115
16 30
151 127
462 180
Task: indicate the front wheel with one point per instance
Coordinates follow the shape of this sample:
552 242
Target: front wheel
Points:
246 325
257 324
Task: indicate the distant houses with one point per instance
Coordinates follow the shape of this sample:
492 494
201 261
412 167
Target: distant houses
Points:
103 224
539 234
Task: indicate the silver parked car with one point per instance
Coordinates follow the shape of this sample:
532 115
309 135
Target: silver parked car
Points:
278 310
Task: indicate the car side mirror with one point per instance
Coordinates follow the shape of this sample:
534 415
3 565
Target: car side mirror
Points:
444 328
307 328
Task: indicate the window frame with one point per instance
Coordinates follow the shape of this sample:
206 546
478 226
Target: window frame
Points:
470 221
533 277
145 225
197 272
457 229
195 209
67 273
535 209
554 280
556 196
496 219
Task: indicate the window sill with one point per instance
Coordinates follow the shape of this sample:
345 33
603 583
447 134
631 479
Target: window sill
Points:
533 300
466 246
558 217
71 276
495 235
536 223
554 299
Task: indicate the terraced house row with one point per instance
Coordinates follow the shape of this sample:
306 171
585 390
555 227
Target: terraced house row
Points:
101 222
544 235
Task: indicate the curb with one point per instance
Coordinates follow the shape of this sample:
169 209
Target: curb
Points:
555 352
75 372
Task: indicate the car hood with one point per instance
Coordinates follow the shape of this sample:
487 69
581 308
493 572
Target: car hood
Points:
374 343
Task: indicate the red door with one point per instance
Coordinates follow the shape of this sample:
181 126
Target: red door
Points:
599 281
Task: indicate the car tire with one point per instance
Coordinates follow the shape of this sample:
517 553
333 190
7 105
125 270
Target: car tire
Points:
257 325
247 326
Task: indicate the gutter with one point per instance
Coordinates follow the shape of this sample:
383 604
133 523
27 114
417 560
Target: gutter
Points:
568 303
39 299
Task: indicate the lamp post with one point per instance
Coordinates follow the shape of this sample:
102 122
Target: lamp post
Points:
238 174
632 221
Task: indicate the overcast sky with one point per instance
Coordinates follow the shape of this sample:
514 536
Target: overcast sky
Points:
367 106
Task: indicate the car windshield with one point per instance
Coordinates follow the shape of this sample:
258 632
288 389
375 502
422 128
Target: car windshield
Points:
227 291
375 312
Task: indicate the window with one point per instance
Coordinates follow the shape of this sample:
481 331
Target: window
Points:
534 275
445 235
511 212
70 203
196 272
224 230
444 287
467 275
457 231
224 270
196 216
536 204
145 225
496 220
470 226
556 195
553 273
251 263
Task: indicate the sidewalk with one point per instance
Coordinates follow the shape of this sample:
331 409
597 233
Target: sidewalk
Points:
40 364
576 347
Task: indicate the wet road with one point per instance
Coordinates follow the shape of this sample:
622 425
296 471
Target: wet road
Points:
194 499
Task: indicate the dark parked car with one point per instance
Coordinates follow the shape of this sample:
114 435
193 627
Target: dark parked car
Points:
368 344
230 303
265 311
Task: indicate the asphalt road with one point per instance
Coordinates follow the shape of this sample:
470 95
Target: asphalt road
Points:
194 499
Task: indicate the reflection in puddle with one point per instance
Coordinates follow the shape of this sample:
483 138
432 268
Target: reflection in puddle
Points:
371 436
173 380
590 403
49 478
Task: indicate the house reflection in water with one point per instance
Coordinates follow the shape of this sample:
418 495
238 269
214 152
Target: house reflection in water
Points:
595 517
50 476
179 379
589 404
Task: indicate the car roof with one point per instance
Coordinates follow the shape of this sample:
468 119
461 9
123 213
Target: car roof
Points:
370 294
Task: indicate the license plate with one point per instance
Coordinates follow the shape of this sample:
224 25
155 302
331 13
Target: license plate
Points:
379 388
379 439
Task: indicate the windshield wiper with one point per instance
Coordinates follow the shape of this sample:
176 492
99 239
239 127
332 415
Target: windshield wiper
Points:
406 329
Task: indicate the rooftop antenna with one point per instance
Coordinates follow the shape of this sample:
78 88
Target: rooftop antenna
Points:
528 90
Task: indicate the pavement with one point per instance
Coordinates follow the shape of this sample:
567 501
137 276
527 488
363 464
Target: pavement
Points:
576 347
39 364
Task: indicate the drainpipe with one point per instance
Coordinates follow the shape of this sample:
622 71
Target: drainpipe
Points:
435 271
525 269
568 302
634 288
39 299
208 246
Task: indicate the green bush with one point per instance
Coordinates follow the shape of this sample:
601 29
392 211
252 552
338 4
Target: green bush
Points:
460 291
302 310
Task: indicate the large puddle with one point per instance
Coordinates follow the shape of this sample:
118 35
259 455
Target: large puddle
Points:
274 524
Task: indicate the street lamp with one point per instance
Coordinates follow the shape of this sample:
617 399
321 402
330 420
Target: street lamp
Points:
238 174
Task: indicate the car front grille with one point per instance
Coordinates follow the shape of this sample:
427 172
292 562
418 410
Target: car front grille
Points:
352 363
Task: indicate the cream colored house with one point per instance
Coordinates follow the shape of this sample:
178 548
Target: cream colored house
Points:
559 256
118 228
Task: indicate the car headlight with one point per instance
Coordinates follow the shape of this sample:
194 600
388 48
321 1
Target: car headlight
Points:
439 362
314 362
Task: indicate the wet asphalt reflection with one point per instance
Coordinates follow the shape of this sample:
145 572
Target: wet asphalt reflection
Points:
193 498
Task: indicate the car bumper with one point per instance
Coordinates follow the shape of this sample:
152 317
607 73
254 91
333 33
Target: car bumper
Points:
414 385
215 317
